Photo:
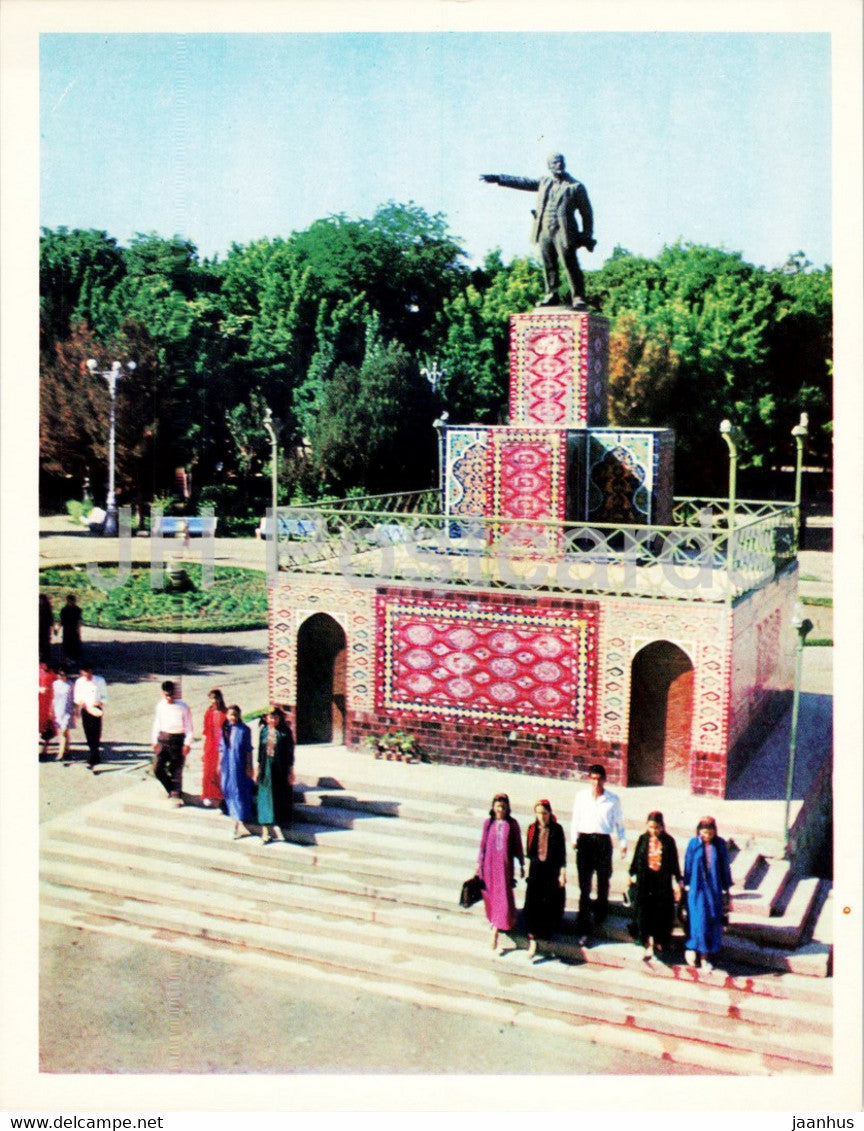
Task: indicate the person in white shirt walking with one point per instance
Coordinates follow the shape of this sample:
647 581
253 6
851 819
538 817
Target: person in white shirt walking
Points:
596 816
172 739
89 696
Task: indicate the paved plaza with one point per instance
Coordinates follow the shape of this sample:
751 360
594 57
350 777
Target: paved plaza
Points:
222 1017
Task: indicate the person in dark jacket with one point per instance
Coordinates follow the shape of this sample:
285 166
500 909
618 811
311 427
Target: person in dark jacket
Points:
546 850
555 231
655 876
274 774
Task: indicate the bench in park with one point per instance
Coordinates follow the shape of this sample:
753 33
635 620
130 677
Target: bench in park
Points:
288 527
200 525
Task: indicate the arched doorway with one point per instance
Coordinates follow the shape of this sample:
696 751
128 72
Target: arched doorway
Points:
320 708
661 712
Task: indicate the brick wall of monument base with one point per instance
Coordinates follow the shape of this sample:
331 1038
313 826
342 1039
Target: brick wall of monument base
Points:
552 757
475 745
772 706
708 773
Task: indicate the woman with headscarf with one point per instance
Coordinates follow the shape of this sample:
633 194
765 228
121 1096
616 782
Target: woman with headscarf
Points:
500 846
63 706
275 775
214 720
545 894
707 879
235 752
46 712
655 875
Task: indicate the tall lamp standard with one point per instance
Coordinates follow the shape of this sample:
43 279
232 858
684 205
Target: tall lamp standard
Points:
272 549
439 425
274 456
799 432
729 434
802 626
433 374
109 527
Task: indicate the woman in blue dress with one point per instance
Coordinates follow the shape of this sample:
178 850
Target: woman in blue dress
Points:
235 749
707 879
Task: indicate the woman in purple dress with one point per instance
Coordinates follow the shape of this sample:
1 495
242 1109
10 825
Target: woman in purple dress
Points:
500 845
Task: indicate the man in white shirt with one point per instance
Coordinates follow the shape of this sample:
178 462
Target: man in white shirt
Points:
89 695
596 816
171 738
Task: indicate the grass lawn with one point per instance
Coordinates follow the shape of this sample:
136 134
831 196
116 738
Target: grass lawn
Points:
236 600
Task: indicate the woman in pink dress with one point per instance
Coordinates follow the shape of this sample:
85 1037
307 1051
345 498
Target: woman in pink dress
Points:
500 846
214 719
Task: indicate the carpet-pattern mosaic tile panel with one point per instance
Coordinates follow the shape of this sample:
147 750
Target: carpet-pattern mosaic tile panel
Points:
526 479
558 369
291 602
629 476
524 666
465 480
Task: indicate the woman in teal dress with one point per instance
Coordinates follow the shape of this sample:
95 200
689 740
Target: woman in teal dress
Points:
274 773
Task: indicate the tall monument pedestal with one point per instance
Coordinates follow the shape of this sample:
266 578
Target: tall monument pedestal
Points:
559 368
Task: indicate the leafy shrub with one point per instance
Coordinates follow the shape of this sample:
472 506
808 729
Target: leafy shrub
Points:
77 510
236 600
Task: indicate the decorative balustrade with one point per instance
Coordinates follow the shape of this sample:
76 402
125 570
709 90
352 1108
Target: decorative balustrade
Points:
380 539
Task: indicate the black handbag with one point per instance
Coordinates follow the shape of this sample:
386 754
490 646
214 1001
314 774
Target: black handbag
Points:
683 912
472 892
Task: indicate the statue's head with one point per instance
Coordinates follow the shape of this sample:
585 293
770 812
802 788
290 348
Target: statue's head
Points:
555 161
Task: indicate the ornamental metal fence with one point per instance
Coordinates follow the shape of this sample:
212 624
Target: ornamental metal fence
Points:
404 538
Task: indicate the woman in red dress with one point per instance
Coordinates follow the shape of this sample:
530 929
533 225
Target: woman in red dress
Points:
46 707
214 719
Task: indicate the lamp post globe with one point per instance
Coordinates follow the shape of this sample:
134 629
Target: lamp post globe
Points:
111 376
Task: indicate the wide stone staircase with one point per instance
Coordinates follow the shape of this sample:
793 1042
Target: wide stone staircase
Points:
364 892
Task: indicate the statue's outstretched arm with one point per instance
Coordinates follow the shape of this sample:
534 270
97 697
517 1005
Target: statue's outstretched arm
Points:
506 181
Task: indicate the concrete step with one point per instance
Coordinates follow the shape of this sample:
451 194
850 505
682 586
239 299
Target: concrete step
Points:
376 951
786 930
744 866
145 829
456 824
631 988
216 876
449 855
439 860
360 773
628 1040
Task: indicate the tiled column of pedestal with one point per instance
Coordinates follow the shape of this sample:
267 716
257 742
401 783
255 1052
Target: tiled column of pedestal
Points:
559 369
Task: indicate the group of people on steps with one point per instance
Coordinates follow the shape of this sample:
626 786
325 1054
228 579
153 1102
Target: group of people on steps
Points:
659 888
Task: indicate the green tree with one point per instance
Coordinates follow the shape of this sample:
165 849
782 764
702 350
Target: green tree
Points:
374 428
476 338
78 270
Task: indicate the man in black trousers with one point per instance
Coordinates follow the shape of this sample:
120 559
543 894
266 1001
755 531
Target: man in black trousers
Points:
596 816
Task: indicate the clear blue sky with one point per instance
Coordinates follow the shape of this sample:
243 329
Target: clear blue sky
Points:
712 138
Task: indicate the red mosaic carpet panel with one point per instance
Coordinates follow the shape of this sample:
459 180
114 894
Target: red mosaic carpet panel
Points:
463 658
526 479
558 369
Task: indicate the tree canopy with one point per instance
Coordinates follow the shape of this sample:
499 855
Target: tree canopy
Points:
332 327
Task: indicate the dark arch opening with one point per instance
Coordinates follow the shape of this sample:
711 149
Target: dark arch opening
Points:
320 707
661 714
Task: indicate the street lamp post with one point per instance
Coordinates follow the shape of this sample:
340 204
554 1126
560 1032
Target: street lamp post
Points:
439 426
433 374
274 481
728 432
802 626
800 432
111 376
